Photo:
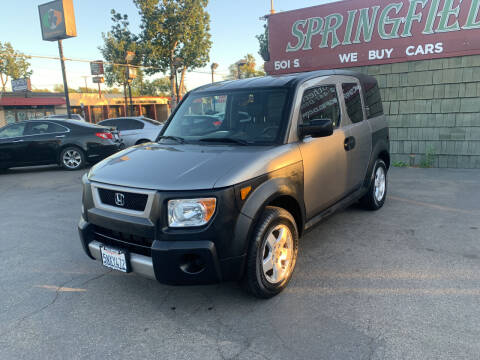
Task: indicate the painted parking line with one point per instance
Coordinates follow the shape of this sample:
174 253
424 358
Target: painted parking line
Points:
435 206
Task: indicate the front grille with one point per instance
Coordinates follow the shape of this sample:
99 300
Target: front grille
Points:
131 201
129 242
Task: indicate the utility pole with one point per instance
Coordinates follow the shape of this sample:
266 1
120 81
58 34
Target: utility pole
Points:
65 85
85 79
272 10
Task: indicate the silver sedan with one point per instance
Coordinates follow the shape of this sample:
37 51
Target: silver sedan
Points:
135 130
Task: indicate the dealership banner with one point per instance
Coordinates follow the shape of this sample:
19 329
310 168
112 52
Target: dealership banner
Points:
367 32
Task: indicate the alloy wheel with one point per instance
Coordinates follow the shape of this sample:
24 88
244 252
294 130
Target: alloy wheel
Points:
72 159
380 183
277 254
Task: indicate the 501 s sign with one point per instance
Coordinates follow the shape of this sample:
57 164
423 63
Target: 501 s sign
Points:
367 32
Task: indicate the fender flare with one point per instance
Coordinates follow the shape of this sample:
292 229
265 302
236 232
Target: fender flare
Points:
259 199
380 146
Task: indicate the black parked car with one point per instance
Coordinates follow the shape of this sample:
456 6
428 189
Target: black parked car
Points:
69 143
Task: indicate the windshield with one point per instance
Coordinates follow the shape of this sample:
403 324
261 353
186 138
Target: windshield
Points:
250 117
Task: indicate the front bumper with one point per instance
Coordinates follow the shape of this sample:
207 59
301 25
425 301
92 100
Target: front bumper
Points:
171 262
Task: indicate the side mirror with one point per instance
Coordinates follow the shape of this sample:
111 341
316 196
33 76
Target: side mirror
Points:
316 128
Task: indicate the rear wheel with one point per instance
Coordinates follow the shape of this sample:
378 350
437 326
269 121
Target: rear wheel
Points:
273 253
377 192
72 158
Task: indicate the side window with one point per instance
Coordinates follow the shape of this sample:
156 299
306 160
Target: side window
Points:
12 131
36 128
351 93
321 103
107 123
373 99
55 128
130 124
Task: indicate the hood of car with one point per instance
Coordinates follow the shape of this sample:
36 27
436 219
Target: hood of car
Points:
185 166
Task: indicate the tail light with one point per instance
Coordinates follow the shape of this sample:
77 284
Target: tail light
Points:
105 135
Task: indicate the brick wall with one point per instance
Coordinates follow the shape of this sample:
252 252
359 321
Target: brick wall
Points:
432 106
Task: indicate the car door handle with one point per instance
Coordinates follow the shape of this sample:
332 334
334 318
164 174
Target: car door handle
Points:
349 143
17 141
60 136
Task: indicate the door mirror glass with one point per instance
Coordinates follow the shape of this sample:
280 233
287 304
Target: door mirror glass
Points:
316 128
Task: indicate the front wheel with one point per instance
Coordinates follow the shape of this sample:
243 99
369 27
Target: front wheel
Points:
377 192
272 254
72 158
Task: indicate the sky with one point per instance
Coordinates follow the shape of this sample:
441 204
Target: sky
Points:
234 25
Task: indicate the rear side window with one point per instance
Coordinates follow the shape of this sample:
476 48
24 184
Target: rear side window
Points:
320 103
108 123
373 99
55 128
351 93
39 128
129 124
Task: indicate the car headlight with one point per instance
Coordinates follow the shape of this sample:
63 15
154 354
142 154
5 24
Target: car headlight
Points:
190 212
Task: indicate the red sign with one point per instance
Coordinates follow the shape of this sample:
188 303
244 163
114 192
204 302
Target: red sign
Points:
368 32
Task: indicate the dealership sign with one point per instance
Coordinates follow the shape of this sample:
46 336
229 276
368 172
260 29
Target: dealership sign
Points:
57 19
367 32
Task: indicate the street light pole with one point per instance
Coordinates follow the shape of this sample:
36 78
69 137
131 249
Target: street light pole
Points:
65 85
214 67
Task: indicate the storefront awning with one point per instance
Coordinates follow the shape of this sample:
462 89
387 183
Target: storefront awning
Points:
12 101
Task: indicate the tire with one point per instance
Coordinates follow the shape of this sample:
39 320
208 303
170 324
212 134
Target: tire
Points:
260 278
72 158
377 192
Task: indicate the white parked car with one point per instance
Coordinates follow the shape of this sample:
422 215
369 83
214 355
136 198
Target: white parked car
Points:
135 130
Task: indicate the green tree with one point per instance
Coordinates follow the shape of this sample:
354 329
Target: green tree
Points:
13 64
247 70
263 42
157 87
116 43
86 90
175 35
58 88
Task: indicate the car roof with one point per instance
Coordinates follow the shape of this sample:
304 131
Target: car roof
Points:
66 122
139 118
281 81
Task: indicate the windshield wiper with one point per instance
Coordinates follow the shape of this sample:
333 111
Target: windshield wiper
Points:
226 140
175 138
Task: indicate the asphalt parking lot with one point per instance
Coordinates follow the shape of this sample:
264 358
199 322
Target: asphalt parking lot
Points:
401 283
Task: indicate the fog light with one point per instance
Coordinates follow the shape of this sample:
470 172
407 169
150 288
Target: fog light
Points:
192 264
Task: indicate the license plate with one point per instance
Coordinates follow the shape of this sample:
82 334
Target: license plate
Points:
114 259
115 136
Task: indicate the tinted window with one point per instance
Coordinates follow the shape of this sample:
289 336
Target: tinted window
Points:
38 128
128 124
12 131
373 99
320 103
353 101
108 123
55 128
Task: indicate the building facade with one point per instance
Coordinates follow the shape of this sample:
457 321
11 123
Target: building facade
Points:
95 107
29 105
425 55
